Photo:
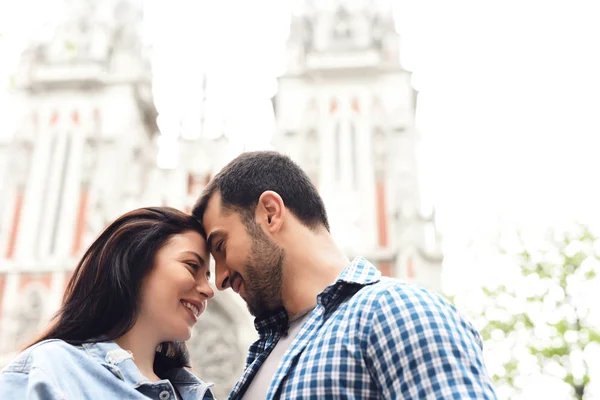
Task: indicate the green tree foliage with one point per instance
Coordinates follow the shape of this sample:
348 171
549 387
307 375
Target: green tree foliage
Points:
543 314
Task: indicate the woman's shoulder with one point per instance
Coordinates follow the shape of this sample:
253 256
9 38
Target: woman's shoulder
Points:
38 371
47 353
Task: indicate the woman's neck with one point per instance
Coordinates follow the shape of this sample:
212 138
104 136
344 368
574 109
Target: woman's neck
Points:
143 349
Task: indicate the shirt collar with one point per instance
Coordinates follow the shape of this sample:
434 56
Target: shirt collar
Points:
358 273
273 322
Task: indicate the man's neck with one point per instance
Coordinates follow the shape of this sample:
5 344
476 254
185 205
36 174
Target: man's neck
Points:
309 269
142 348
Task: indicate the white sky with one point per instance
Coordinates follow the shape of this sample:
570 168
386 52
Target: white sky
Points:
508 106
509 99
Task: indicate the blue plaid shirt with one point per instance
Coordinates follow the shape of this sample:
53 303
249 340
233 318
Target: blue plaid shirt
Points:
373 337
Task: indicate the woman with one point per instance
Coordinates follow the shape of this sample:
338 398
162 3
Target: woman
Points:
128 309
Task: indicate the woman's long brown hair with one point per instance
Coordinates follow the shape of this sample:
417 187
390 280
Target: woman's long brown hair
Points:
101 300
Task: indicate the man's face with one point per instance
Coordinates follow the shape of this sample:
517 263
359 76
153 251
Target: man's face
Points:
246 259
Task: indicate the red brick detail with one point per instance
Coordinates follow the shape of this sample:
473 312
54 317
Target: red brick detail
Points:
26 279
333 106
75 117
54 118
382 228
80 227
386 268
14 231
191 183
410 269
2 284
355 105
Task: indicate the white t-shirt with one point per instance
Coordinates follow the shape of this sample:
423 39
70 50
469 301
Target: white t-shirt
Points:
260 384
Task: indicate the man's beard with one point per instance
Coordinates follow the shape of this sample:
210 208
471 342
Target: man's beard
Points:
263 280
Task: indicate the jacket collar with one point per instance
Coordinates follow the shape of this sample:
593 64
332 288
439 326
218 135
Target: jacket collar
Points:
120 363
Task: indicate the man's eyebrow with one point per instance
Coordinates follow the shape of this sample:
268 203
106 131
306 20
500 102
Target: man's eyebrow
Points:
211 239
201 260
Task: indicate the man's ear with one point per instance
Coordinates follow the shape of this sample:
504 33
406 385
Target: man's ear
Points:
270 210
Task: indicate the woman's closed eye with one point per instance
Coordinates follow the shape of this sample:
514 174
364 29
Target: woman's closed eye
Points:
194 266
220 246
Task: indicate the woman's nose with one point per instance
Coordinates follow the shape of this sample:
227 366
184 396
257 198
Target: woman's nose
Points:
205 288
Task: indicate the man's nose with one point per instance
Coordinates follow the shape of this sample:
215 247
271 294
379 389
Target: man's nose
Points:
222 276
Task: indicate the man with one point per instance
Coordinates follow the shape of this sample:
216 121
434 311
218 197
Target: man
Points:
328 328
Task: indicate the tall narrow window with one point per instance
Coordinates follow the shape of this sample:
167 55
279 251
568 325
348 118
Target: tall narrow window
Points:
45 190
61 194
354 156
337 152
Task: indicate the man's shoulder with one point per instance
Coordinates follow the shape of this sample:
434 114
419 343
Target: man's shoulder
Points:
392 289
48 353
402 306
400 299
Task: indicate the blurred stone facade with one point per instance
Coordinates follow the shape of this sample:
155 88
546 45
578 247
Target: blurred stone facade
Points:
346 113
85 152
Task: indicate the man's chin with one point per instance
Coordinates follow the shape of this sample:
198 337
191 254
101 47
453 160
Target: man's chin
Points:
259 311
254 309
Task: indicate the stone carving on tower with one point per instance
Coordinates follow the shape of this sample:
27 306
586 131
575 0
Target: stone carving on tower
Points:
29 312
85 154
345 112
217 352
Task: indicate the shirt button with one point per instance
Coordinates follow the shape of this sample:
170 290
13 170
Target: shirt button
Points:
164 395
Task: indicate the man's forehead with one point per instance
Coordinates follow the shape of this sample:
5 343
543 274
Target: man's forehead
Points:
212 211
215 213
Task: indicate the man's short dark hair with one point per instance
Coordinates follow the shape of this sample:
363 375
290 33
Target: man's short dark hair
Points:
245 178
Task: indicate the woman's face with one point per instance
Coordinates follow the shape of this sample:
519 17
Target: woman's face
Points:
175 292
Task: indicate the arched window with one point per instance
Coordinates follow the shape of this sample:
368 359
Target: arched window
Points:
29 313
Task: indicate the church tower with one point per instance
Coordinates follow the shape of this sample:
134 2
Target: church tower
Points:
345 112
84 153
81 155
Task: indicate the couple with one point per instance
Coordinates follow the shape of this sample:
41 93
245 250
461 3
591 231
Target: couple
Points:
328 328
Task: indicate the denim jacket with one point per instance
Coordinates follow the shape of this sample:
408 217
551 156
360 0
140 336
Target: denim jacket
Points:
54 369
